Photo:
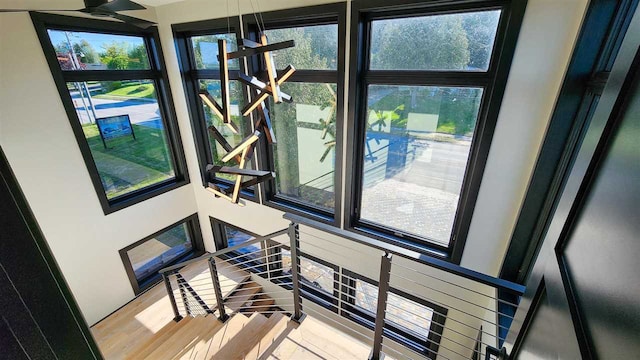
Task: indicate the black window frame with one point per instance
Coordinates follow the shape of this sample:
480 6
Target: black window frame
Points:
182 34
299 17
307 291
426 346
237 258
157 73
197 249
493 82
272 269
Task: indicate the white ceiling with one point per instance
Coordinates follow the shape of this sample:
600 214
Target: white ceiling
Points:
65 4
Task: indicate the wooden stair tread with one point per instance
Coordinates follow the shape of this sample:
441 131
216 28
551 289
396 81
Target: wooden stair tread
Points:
203 345
275 326
241 296
158 338
314 339
243 344
259 303
219 339
181 342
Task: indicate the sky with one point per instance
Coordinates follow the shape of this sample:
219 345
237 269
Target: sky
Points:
95 39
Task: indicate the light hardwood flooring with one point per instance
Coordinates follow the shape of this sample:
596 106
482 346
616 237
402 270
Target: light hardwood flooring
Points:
144 329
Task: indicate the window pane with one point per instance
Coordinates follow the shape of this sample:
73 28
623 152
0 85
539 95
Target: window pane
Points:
316 47
96 51
305 151
417 144
461 41
405 313
314 274
130 148
205 51
237 237
402 312
154 254
237 102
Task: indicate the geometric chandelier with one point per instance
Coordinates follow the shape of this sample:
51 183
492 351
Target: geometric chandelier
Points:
261 90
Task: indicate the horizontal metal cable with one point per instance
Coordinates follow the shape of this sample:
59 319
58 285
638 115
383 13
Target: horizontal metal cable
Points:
454 284
368 337
444 347
398 352
453 296
448 317
387 347
329 241
258 293
449 307
261 250
443 325
323 249
262 306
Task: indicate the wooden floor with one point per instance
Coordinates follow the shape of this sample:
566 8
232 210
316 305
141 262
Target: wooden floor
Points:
144 329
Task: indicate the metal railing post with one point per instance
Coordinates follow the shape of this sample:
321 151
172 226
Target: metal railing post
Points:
294 237
172 298
383 292
217 289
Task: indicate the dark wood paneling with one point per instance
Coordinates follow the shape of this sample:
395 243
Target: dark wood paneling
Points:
37 306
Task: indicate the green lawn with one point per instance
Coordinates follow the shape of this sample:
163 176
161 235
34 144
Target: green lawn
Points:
129 164
145 91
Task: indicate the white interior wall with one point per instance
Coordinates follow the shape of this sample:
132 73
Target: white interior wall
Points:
85 242
37 139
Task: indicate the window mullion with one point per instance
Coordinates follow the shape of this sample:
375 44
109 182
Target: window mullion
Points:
434 78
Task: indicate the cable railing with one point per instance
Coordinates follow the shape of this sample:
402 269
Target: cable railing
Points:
411 306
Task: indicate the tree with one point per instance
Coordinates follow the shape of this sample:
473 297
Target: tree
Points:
433 43
86 52
481 32
115 56
138 57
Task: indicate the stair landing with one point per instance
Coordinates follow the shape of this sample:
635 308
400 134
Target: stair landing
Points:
144 329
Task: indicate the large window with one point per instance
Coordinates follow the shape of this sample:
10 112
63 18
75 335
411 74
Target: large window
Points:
198 45
112 82
176 243
307 155
408 320
426 80
424 100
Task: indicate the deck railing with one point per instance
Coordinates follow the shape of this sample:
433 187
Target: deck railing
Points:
414 306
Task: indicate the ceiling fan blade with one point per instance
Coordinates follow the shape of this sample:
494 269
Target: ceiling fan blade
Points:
21 10
141 23
121 5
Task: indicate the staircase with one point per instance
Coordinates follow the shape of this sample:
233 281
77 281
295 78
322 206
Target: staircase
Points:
235 304
254 323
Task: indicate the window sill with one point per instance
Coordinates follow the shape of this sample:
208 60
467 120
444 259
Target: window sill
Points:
133 198
291 207
244 194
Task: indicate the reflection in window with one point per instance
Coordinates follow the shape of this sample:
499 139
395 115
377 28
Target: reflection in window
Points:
237 102
123 126
205 51
313 274
237 237
304 155
95 51
400 311
316 46
159 251
417 145
461 41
